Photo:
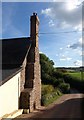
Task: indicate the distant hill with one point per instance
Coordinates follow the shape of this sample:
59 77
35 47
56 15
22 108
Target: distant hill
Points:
71 68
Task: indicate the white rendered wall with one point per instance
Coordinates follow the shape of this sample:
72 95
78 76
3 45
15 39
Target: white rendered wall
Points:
9 93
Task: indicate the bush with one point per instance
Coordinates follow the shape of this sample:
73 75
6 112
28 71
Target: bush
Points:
49 80
49 94
47 89
65 88
57 74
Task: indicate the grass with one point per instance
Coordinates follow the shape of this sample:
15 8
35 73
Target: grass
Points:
77 75
52 100
76 80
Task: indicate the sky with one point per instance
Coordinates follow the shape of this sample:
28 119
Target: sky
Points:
60 29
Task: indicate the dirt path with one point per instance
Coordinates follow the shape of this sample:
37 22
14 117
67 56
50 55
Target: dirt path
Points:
67 106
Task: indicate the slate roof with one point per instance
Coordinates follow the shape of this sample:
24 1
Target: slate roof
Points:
14 51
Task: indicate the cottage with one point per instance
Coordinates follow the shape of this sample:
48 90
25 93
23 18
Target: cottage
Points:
20 86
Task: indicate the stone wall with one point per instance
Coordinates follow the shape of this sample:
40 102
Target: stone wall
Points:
30 76
22 75
33 80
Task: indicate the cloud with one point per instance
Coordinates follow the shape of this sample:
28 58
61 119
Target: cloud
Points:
81 53
78 63
40 52
79 44
75 45
65 58
63 17
74 1
51 23
47 11
61 48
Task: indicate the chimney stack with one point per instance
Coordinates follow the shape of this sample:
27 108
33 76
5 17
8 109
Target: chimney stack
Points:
34 29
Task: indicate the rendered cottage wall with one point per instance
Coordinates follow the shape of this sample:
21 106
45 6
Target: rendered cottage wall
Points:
9 92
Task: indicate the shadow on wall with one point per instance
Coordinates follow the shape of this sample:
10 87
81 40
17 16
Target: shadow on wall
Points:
24 100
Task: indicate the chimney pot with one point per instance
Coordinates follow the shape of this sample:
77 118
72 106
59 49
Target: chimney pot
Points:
34 14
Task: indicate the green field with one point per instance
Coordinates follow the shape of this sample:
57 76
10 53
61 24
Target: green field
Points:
78 75
75 79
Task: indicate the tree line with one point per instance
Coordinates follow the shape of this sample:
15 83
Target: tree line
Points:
57 77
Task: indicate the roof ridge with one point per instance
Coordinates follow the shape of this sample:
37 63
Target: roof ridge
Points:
13 38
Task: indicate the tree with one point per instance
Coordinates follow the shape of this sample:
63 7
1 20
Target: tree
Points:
46 69
46 64
51 76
